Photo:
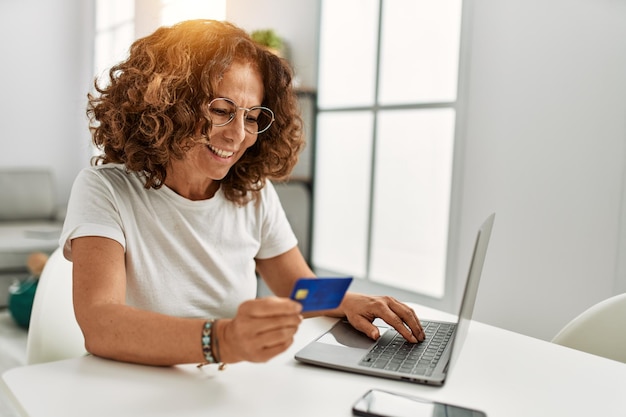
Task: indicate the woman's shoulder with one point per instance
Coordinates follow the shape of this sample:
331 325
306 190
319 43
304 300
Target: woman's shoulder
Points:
268 193
268 198
112 177
268 188
109 173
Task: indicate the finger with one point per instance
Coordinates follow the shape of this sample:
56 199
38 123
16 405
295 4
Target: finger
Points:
365 326
410 319
270 307
395 314
397 323
261 326
260 348
276 337
268 353
246 338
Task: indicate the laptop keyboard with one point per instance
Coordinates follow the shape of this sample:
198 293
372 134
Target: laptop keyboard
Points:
394 353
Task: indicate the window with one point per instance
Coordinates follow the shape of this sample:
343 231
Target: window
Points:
120 22
115 31
386 124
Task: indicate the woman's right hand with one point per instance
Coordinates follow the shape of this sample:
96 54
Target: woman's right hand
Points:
261 329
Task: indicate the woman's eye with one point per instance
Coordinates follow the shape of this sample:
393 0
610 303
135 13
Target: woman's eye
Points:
219 112
253 116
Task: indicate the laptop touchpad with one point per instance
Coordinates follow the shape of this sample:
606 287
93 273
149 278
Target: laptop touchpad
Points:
343 334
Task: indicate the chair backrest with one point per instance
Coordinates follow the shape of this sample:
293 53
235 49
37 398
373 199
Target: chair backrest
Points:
53 333
600 330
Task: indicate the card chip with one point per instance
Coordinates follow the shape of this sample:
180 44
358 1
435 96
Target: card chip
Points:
301 294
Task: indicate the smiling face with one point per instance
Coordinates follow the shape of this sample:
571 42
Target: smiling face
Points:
196 176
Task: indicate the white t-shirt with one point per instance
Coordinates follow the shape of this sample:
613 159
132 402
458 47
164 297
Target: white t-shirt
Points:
183 258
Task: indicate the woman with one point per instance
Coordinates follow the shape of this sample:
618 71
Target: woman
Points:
168 227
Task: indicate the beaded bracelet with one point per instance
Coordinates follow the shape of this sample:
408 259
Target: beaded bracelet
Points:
210 345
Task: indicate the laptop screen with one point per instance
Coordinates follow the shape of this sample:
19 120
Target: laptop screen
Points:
471 287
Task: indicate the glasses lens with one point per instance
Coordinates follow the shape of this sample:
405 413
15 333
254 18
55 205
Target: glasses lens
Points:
222 111
256 120
259 119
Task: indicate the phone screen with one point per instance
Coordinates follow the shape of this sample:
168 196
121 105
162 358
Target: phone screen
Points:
376 403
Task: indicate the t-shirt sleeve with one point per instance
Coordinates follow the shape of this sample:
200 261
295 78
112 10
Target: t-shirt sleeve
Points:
92 211
277 234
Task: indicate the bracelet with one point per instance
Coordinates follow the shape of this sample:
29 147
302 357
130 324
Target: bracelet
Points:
210 346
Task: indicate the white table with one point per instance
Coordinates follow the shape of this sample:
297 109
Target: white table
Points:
500 372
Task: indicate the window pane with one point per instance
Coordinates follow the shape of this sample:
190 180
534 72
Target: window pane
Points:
342 191
110 13
347 61
419 51
112 46
412 199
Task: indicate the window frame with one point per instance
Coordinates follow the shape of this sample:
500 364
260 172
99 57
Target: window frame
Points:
455 275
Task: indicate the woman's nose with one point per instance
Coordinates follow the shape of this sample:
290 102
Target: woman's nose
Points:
235 130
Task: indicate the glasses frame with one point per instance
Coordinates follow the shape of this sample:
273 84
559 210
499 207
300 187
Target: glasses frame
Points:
245 114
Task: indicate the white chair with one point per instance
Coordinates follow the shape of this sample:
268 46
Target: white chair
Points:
53 333
600 330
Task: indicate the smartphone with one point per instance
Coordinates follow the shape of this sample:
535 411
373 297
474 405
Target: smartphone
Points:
378 403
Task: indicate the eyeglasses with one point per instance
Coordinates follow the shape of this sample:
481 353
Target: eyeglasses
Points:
256 120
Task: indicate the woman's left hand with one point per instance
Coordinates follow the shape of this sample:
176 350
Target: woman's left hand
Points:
361 310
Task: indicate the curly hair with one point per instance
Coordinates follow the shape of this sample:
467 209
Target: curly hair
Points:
155 100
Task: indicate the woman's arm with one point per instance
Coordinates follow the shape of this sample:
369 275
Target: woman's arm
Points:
281 272
260 330
115 330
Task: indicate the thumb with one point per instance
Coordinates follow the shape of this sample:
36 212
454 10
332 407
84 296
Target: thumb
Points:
363 325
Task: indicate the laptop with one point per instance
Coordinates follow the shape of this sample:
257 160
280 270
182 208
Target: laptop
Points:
344 348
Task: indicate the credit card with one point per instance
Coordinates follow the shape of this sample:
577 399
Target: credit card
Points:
320 293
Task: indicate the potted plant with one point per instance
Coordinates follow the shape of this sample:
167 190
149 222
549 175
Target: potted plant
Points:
270 39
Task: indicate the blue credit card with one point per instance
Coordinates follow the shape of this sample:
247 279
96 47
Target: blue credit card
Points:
320 293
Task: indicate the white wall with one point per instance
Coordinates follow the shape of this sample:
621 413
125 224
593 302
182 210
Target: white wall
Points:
544 147
44 78
296 21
